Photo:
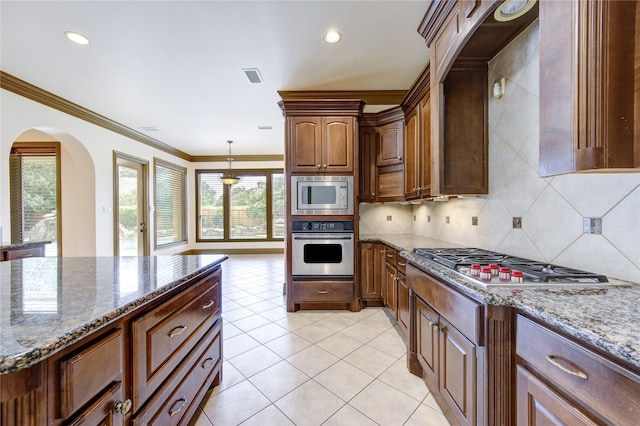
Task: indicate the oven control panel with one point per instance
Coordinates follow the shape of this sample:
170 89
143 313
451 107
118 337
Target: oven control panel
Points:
322 226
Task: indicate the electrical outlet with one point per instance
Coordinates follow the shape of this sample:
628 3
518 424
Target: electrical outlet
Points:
414 217
389 218
428 218
474 220
447 219
517 222
592 225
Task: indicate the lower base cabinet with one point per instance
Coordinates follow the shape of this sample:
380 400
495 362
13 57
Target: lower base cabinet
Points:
96 380
560 381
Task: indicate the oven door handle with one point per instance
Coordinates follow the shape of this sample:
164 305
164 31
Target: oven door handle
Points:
322 238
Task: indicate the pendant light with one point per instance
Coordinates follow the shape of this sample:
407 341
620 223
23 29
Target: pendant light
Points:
228 178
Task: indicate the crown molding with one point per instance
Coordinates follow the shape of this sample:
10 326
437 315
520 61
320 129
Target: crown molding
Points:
207 158
29 91
370 97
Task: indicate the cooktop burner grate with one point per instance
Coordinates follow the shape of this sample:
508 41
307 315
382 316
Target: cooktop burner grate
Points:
461 259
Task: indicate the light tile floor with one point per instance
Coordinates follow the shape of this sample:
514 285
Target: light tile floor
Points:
308 367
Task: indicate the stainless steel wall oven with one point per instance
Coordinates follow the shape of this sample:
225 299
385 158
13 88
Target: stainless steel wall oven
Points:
322 249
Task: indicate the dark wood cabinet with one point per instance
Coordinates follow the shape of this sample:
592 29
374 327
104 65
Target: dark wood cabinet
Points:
445 333
368 169
589 91
157 360
21 251
570 381
372 268
321 144
391 289
402 293
390 144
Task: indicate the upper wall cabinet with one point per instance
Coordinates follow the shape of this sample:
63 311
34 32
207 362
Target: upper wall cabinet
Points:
321 135
462 37
589 85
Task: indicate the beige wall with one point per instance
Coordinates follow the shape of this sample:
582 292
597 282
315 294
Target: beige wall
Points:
552 209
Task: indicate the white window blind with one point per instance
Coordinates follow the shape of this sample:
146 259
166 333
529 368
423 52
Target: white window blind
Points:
170 202
210 206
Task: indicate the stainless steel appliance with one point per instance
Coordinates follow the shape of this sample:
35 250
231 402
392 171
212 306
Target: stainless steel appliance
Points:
322 195
492 269
322 249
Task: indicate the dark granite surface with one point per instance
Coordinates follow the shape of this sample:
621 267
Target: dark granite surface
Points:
48 303
606 319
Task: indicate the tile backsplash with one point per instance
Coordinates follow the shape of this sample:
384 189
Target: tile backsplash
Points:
552 210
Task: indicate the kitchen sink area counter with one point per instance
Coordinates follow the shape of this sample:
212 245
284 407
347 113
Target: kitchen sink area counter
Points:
48 303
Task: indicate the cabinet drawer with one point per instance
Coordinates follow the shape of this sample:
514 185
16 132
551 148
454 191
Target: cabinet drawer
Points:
606 388
401 264
462 312
390 255
179 397
21 253
323 291
83 376
166 334
101 412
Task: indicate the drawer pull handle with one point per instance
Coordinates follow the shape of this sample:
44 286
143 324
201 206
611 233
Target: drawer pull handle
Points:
174 412
122 407
402 264
323 291
389 256
578 373
208 363
210 304
177 331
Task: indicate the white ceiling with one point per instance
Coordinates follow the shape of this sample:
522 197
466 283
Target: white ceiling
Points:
177 65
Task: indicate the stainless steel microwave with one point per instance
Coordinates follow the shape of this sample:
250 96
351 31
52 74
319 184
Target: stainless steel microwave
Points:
321 195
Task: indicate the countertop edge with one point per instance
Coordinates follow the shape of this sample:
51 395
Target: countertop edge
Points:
10 364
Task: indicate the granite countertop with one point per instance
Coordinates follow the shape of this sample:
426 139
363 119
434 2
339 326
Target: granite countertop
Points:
603 318
48 303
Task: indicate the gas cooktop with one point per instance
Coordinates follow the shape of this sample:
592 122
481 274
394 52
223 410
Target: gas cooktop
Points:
492 269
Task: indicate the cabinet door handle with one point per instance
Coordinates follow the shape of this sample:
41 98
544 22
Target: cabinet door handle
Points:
183 402
323 291
177 331
122 407
577 373
208 305
208 363
319 166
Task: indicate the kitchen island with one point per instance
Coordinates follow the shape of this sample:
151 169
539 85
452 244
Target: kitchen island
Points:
108 339
515 344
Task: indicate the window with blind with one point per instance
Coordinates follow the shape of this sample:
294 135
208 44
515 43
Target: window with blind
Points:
253 209
170 203
34 174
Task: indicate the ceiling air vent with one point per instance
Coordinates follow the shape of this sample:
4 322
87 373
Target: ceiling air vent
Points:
253 74
265 128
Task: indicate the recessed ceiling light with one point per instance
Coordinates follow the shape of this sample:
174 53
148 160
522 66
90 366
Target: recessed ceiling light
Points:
332 36
77 38
513 9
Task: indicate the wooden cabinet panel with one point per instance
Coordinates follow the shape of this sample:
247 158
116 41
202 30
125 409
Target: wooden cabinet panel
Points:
23 398
391 291
412 142
177 399
458 373
305 143
448 39
322 291
81 381
321 144
367 170
424 180
390 144
371 270
427 334
165 335
391 183
403 303
607 389
539 405
465 314
101 411
587 100
337 144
